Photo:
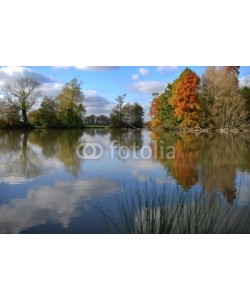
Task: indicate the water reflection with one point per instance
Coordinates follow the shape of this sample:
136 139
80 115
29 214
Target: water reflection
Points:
58 204
54 183
97 131
61 144
17 156
26 154
210 159
127 138
184 167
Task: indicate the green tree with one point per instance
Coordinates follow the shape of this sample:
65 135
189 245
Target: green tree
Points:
46 115
126 115
161 112
102 120
21 94
116 116
90 120
9 115
35 117
245 94
133 115
138 113
49 111
70 106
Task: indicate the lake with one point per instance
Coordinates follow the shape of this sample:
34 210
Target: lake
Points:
55 181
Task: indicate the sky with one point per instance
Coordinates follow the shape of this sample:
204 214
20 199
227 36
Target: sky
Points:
101 85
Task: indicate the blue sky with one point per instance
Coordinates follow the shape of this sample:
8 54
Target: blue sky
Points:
102 85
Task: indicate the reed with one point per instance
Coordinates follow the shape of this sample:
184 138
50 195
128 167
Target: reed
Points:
160 211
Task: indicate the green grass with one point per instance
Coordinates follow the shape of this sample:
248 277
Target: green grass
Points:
152 211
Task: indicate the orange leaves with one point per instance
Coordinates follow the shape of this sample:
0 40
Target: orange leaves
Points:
154 112
155 105
185 98
179 105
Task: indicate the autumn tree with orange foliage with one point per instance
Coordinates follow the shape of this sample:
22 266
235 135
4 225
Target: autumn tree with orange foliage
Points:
154 112
185 98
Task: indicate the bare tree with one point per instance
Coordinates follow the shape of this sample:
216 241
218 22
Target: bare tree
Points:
22 94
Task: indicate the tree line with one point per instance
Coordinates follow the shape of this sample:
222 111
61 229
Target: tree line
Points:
66 110
214 101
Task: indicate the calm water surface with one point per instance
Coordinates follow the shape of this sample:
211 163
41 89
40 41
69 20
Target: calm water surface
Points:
46 188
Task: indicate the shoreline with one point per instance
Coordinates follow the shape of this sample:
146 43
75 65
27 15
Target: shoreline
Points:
174 130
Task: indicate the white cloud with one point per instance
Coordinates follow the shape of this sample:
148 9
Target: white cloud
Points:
135 76
148 87
97 104
143 71
166 70
244 81
97 68
13 73
93 68
51 89
48 85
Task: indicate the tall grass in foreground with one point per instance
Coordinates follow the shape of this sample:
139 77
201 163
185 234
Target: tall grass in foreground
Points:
166 211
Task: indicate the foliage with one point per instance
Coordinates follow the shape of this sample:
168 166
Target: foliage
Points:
101 120
116 116
69 102
90 120
216 103
245 94
9 115
185 100
34 117
66 110
222 104
179 105
126 115
133 115
161 112
46 115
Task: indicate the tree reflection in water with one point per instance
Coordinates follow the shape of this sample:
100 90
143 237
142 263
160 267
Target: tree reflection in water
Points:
22 158
211 159
19 158
60 144
127 138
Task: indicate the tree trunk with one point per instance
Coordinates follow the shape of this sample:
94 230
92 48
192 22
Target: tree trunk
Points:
24 114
